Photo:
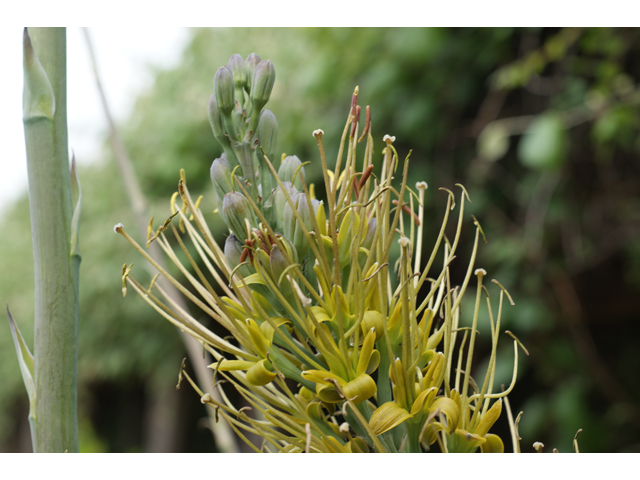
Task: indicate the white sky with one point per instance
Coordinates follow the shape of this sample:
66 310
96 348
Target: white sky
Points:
124 56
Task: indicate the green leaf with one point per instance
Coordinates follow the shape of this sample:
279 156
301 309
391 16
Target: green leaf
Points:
544 144
25 359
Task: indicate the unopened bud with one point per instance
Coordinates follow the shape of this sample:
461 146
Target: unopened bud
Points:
278 263
250 65
263 78
268 133
215 119
292 228
235 208
223 90
236 66
233 252
279 201
221 178
288 168
371 231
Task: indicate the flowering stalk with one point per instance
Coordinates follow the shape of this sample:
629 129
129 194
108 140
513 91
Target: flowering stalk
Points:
335 348
51 374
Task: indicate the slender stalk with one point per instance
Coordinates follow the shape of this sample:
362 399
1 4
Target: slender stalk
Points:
56 267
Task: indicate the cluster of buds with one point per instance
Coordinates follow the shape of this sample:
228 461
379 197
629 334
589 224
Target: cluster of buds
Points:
336 347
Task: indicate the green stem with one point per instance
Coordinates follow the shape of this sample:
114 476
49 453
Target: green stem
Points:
413 437
56 266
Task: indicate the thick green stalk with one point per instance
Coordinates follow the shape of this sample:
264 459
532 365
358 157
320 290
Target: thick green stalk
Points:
56 260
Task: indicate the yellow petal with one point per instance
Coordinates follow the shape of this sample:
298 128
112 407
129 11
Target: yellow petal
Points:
231 365
493 444
322 376
360 389
374 361
260 374
489 419
257 338
328 393
462 441
450 410
387 416
419 401
321 219
365 352
357 445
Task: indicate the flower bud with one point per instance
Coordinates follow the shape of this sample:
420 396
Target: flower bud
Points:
235 208
250 65
291 227
232 252
215 119
221 178
279 201
268 133
371 231
236 66
277 262
288 169
223 90
263 78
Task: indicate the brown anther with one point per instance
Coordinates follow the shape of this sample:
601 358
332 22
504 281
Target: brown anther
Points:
354 123
406 209
356 188
365 176
367 124
263 240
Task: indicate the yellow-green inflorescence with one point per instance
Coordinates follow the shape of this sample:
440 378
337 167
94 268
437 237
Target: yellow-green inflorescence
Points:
334 349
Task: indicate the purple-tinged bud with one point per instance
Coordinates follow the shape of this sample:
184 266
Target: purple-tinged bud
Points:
235 209
288 168
371 231
221 178
277 262
250 65
215 119
279 201
291 227
264 77
223 90
237 68
233 252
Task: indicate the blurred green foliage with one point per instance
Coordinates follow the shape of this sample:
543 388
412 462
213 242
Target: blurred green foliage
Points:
540 125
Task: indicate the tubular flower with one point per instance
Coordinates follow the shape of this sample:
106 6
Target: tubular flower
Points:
338 344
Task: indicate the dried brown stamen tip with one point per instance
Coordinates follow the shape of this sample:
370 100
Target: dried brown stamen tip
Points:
355 121
356 187
367 124
406 209
365 176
